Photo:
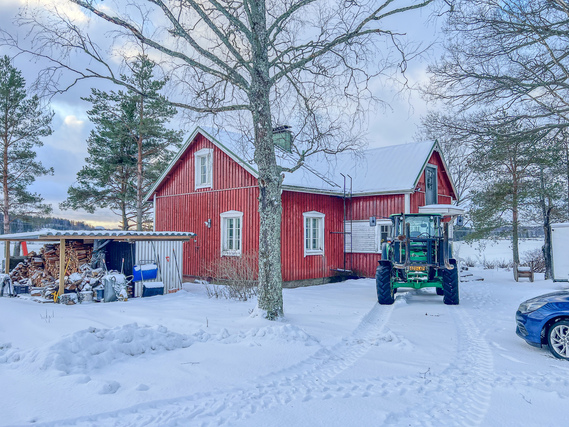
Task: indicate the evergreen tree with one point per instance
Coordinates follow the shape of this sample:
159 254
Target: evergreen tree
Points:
504 155
22 123
128 148
107 180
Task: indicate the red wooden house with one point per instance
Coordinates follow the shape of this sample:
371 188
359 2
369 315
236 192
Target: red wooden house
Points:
210 188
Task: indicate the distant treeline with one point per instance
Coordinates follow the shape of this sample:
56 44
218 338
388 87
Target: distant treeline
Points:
33 223
524 232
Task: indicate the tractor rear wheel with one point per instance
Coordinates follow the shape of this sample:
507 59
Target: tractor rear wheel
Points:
385 294
450 284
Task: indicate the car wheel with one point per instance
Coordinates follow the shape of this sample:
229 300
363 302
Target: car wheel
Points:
558 339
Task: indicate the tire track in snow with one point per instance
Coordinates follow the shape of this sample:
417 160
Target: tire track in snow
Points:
460 395
304 380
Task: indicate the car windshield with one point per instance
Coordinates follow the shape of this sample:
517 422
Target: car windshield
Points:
420 226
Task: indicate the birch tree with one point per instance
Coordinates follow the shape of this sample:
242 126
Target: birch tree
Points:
308 62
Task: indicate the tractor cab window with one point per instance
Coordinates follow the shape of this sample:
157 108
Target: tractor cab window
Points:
419 226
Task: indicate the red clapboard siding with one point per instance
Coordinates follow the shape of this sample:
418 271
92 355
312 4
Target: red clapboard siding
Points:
364 265
295 266
380 206
181 207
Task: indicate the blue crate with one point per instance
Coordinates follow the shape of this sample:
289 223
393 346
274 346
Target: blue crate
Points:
153 288
21 289
144 272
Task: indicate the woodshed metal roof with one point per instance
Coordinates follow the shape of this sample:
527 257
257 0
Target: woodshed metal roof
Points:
47 235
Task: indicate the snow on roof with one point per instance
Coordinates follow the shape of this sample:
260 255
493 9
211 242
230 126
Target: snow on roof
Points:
49 234
392 169
442 209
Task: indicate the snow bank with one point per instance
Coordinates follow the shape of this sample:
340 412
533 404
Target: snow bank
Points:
95 348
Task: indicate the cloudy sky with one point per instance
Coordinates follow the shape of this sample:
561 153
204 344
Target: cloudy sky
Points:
65 150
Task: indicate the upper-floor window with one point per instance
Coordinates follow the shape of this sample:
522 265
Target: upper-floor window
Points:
231 235
313 233
204 167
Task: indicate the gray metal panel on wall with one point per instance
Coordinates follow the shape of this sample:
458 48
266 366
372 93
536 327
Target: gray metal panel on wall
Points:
168 255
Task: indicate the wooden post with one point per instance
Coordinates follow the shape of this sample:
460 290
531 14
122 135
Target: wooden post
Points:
7 253
61 266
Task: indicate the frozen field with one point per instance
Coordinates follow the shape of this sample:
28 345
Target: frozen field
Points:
499 250
338 359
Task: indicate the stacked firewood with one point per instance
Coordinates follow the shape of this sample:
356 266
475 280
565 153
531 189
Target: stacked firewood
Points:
76 254
42 270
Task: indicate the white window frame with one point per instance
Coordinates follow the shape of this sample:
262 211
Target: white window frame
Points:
225 216
319 216
436 183
206 153
380 224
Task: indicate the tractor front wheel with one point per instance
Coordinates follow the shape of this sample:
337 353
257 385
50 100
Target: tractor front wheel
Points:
385 294
450 284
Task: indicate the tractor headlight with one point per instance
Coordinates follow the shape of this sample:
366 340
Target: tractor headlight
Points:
529 306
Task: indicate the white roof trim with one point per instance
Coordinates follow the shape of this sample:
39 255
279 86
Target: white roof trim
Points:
445 210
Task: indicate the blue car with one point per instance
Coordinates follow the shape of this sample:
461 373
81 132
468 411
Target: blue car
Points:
544 320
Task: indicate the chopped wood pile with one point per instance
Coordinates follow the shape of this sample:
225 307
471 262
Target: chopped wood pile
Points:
41 271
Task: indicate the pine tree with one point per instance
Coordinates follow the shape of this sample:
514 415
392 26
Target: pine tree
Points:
22 123
127 149
504 156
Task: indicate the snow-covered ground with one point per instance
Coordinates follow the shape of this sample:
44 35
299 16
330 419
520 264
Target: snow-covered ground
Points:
494 250
337 359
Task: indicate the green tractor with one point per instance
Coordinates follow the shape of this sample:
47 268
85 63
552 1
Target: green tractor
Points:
418 255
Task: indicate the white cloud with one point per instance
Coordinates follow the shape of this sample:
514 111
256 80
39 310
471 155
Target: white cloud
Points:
73 122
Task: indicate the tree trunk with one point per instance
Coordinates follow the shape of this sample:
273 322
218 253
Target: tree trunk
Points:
6 202
515 223
546 216
139 168
547 245
124 217
139 187
270 204
567 172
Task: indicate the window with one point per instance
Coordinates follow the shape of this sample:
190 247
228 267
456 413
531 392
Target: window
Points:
430 185
204 166
313 233
384 233
360 237
231 232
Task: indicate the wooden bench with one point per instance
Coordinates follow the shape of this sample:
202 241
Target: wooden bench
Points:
520 271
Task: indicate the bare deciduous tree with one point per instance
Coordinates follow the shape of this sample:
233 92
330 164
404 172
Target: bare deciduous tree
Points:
263 61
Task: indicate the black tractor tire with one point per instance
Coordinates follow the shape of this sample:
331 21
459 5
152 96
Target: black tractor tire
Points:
450 285
440 291
385 294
